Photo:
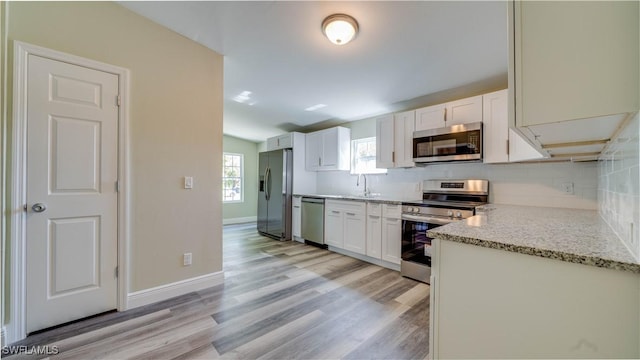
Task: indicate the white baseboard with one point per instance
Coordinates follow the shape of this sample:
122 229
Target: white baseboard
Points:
168 291
240 220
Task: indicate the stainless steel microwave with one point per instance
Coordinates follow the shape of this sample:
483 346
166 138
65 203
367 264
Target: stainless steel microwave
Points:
454 143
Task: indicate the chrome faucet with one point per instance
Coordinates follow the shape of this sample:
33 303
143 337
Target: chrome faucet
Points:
366 190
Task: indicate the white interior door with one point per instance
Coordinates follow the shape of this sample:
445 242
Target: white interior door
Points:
71 230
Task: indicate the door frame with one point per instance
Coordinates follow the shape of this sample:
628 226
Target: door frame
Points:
16 328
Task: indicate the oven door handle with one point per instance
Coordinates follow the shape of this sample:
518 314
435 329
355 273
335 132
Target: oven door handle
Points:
433 220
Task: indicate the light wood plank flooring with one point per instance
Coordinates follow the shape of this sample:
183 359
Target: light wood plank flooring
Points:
279 300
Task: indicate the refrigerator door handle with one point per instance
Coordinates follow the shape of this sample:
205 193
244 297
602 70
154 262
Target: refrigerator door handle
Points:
267 188
266 173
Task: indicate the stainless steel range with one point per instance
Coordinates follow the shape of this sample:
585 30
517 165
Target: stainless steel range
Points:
443 202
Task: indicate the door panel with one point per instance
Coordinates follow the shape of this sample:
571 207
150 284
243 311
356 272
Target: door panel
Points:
72 169
263 164
74 255
276 193
75 155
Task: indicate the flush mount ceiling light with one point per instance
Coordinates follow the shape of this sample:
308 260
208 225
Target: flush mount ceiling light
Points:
339 28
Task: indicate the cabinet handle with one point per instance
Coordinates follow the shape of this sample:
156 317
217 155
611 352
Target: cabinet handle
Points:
445 114
507 147
351 214
393 156
374 216
296 206
392 220
319 162
335 212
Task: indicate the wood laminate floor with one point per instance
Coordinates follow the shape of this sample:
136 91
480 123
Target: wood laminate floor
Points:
279 300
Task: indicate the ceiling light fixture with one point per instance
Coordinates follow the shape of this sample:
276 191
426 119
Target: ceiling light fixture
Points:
339 28
315 107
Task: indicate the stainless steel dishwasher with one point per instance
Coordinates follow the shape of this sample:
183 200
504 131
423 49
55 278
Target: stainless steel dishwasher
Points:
313 220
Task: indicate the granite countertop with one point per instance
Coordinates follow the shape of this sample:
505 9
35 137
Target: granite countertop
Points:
375 198
577 236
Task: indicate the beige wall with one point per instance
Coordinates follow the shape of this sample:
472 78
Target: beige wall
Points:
249 207
175 127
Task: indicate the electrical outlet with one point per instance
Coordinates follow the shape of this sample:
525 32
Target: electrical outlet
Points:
186 259
567 188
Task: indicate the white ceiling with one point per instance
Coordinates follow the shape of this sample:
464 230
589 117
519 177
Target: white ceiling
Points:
276 50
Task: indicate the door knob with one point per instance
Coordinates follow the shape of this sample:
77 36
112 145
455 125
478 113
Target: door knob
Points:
39 207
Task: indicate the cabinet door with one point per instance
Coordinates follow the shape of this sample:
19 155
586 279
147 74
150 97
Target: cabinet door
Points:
431 117
495 129
333 227
355 232
391 240
575 60
385 142
313 150
520 149
296 215
285 141
272 143
330 148
404 123
464 111
374 236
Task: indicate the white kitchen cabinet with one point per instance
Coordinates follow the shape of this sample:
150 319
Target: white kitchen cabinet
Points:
345 225
404 124
463 111
573 63
394 140
333 226
431 117
391 233
500 143
280 142
374 230
355 238
385 151
328 149
296 215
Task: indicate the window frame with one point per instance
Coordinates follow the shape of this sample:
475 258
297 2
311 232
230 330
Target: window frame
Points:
354 145
240 177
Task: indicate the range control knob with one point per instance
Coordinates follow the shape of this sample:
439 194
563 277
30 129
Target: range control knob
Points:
450 213
416 209
459 214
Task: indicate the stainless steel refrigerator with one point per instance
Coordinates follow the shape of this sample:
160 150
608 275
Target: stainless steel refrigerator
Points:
274 193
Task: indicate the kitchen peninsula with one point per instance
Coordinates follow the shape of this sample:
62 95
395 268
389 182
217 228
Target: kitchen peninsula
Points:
530 282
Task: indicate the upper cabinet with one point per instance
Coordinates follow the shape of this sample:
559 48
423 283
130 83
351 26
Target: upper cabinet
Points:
457 112
502 144
328 149
280 142
573 66
394 140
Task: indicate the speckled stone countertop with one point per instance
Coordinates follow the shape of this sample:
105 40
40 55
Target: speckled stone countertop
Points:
376 198
577 236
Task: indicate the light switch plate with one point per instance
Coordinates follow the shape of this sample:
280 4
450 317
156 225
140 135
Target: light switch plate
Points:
188 182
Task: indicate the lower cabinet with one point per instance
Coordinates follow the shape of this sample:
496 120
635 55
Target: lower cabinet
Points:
296 215
391 239
345 225
374 230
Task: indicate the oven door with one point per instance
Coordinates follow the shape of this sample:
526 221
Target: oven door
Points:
416 245
454 143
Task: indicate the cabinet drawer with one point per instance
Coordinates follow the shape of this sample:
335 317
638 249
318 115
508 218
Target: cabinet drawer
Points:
346 206
391 210
374 209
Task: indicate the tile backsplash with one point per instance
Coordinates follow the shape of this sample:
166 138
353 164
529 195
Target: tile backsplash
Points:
536 184
619 185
